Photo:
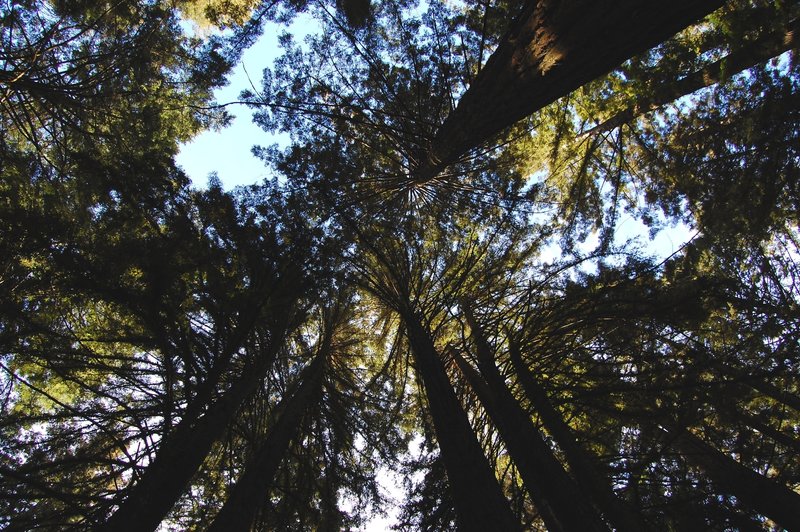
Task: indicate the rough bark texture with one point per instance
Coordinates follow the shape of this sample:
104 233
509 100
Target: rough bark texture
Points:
760 50
180 456
479 501
621 515
766 496
552 49
250 491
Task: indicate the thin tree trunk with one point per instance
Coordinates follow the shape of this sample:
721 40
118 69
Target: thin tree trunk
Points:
621 515
252 488
479 502
552 49
757 491
181 455
760 50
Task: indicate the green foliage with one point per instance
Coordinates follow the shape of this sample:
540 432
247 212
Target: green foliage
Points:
133 306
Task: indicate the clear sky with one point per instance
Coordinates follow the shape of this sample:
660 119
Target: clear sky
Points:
227 151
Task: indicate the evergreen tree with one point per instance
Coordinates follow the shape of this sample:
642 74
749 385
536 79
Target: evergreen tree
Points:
438 281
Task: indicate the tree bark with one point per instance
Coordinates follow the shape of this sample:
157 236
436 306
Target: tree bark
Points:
556 496
553 48
181 455
559 499
479 502
620 514
252 488
756 491
732 412
760 50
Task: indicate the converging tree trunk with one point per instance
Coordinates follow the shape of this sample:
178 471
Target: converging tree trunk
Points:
553 48
621 515
247 496
756 491
479 501
182 453
561 503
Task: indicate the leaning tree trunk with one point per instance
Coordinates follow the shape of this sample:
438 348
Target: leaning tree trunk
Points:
764 48
252 488
553 48
479 502
560 501
760 493
182 453
620 514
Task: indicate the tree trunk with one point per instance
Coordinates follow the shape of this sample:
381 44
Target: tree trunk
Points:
733 413
252 488
620 514
479 502
181 455
760 384
760 50
756 491
552 49
555 495
558 498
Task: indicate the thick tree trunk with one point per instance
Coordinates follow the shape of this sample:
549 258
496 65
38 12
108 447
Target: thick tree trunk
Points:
479 501
181 455
756 491
760 384
760 50
247 496
552 49
764 428
621 515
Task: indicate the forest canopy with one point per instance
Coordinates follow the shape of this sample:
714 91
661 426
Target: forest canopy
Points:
448 282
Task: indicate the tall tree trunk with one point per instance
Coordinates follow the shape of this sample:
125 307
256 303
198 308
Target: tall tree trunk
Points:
252 488
559 499
621 515
552 49
757 491
182 453
759 383
758 51
479 501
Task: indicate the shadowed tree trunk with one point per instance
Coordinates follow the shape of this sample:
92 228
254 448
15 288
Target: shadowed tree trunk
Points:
559 499
247 496
733 413
756 491
620 514
182 453
479 502
553 48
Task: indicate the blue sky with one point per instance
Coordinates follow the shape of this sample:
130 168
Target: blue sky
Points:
227 152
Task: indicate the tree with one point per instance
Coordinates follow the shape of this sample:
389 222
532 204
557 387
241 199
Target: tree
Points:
439 280
549 51
395 279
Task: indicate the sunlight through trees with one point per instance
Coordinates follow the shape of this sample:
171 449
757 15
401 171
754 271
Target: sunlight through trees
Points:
440 278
